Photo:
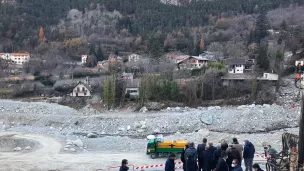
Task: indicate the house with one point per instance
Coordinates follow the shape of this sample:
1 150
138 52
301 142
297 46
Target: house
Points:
133 57
81 90
132 88
239 66
176 58
193 62
16 58
84 59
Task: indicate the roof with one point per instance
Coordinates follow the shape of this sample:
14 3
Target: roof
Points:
86 85
239 62
134 83
200 58
17 54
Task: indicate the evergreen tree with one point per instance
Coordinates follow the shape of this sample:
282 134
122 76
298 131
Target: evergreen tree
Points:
99 54
262 58
92 50
261 27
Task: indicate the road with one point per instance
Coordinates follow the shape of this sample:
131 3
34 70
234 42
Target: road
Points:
48 156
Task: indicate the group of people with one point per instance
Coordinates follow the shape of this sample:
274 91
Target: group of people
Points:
223 158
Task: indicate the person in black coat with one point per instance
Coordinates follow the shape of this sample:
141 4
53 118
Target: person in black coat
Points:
248 155
206 159
211 147
124 166
183 156
170 165
190 158
217 154
222 165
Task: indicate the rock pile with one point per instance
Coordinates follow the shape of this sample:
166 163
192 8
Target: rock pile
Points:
74 146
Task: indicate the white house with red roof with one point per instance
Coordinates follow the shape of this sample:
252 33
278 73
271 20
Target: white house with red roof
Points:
18 58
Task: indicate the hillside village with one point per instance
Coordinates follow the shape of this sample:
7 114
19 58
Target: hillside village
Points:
84 83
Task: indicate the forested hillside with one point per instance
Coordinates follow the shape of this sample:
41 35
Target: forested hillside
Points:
146 26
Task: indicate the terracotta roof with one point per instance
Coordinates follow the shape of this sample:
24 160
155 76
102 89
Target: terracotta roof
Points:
17 53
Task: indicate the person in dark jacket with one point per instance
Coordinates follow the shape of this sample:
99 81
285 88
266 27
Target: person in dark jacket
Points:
190 158
222 165
200 149
211 147
170 165
236 166
234 153
205 161
230 157
248 154
217 154
257 167
183 156
124 166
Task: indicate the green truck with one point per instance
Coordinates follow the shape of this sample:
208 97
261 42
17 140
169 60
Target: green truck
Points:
157 147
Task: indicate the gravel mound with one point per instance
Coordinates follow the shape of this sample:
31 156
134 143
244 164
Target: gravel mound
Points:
9 144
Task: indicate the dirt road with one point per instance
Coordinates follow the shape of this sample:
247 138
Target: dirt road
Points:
48 157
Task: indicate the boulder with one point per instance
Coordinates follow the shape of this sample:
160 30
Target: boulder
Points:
137 125
143 122
121 129
17 149
143 127
143 109
72 150
128 127
78 143
156 130
92 135
28 148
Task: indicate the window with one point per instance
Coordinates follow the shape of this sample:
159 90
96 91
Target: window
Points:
85 93
78 89
18 58
83 89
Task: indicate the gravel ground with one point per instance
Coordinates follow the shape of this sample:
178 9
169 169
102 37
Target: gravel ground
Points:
255 122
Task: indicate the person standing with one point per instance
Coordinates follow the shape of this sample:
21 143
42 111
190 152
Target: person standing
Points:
217 154
190 158
124 166
236 166
170 165
235 154
222 165
205 161
183 156
200 149
239 148
248 154
211 147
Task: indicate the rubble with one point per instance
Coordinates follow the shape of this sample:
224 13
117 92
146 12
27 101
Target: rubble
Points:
17 149
143 109
92 135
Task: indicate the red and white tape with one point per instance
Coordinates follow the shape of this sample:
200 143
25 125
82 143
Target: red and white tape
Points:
179 163
154 166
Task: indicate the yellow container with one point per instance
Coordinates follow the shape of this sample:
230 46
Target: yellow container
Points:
172 144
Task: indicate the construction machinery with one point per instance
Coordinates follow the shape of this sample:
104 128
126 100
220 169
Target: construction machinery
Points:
158 146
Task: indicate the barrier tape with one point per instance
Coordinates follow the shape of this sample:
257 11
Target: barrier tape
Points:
178 163
163 165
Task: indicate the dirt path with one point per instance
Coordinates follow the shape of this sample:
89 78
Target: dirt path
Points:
48 157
